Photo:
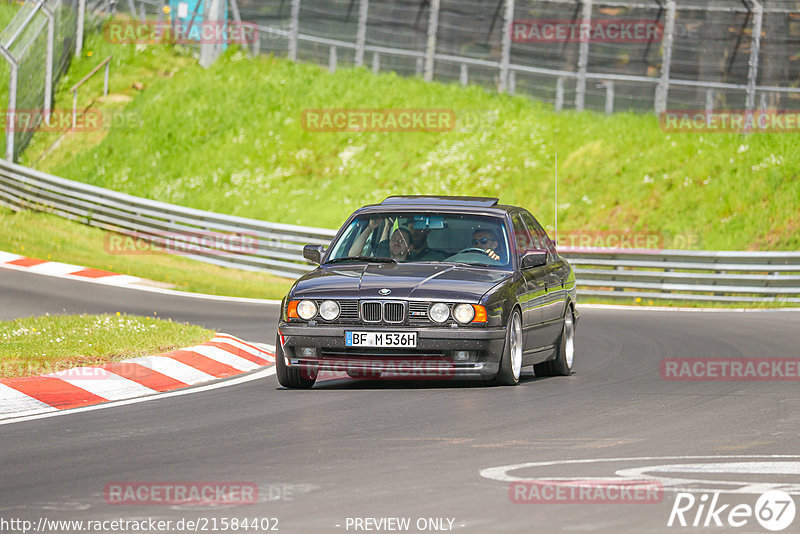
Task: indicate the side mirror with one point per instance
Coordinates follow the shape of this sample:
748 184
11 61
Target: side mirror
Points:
534 258
313 253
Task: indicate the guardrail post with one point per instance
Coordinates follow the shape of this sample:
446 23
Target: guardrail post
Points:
294 29
709 105
752 75
361 35
505 56
559 93
79 32
512 82
609 97
332 60
662 90
376 62
430 50
583 57
464 74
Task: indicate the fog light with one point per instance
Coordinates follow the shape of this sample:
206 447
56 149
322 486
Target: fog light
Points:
461 355
308 352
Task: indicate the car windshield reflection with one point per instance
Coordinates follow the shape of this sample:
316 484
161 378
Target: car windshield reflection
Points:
463 239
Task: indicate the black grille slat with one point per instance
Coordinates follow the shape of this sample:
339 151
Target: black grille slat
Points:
348 311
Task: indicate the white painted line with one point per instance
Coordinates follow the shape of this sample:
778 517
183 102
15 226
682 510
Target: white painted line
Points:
106 384
258 375
117 280
217 354
677 309
6 257
19 404
174 369
54 268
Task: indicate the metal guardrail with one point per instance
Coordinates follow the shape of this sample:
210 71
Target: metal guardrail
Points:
272 247
277 248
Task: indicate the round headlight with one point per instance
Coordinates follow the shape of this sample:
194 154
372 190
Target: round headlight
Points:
439 312
329 310
464 313
306 309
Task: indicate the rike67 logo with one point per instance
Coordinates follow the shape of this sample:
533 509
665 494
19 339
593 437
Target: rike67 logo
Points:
774 510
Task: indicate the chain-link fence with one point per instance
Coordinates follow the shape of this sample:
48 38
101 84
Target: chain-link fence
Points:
37 46
634 55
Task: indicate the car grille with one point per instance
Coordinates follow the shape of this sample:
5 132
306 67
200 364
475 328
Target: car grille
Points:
377 311
371 312
394 312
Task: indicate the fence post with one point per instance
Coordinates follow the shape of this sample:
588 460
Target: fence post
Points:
662 90
505 58
583 56
361 35
376 62
48 68
752 75
79 33
559 93
512 82
13 68
294 29
430 51
214 14
463 76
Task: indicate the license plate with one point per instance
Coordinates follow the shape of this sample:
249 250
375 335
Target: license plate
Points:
380 339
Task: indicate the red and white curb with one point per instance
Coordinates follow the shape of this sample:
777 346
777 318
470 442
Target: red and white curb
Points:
9 260
222 357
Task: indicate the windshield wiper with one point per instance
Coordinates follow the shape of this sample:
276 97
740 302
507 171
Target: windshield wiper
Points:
472 264
367 259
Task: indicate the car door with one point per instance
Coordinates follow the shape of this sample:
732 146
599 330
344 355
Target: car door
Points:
533 298
554 273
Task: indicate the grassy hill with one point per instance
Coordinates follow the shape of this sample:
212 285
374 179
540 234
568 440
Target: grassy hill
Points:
230 139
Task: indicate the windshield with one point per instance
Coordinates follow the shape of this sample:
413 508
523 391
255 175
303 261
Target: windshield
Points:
424 237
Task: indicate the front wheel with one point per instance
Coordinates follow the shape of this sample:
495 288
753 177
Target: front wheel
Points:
562 365
289 377
511 361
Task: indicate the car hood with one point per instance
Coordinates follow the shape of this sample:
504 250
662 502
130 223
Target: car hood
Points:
405 280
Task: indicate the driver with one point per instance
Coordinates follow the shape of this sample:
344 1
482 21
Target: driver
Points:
486 240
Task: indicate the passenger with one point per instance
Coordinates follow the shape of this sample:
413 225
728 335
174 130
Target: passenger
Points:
420 251
400 244
357 248
486 240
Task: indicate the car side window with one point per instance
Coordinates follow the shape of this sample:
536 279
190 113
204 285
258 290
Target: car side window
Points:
523 240
545 243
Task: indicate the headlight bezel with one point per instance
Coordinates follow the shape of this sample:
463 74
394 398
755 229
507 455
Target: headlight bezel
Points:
328 303
440 307
468 308
303 305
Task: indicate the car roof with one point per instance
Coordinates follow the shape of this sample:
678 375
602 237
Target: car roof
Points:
440 202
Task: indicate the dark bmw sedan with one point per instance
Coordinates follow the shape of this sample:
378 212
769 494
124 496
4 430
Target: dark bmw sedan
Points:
456 287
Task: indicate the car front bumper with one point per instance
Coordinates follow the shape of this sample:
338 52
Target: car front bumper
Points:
434 356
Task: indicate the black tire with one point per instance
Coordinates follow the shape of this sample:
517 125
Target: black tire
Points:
562 365
288 377
510 368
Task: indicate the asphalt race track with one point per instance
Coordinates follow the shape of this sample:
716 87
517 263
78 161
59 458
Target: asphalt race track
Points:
353 450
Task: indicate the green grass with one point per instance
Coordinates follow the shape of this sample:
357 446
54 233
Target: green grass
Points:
49 237
50 343
229 139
